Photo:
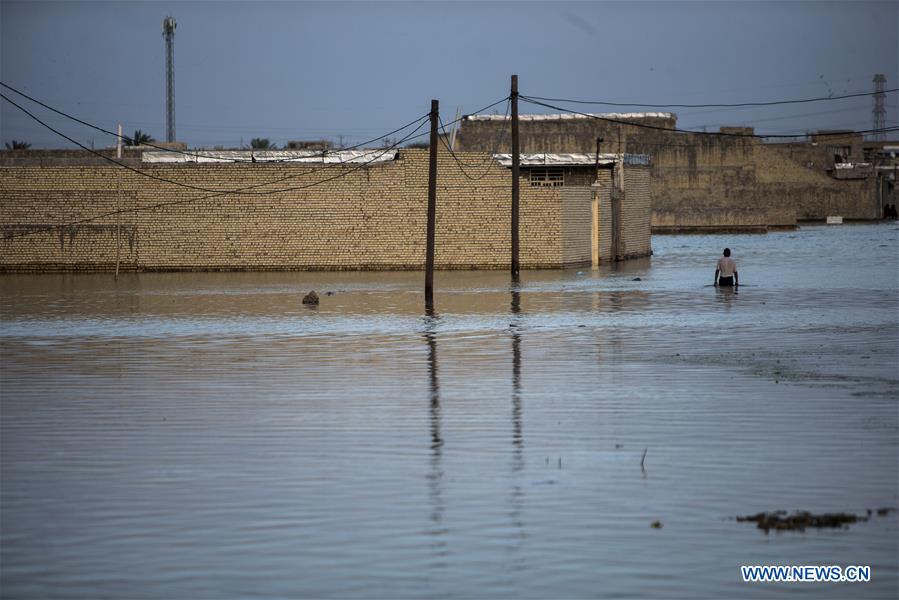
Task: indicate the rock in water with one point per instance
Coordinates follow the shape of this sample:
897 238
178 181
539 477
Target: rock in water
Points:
310 298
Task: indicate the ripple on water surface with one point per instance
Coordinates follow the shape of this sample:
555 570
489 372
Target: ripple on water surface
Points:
207 436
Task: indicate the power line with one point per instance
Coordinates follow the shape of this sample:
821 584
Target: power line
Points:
677 130
739 122
486 160
216 194
178 183
462 118
175 150
411 136
734 105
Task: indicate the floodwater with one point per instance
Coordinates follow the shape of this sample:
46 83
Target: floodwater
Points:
207 436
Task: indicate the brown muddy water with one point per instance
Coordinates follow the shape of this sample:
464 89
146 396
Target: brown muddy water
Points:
207 436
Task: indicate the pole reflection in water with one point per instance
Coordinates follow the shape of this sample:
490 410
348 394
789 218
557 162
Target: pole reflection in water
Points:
516 500
517 438
435 474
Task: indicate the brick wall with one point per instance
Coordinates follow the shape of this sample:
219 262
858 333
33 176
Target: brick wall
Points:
636 213
604 197
575 224
701 181
371 218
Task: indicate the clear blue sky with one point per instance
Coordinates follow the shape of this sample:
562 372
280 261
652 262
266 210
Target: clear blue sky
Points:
301 70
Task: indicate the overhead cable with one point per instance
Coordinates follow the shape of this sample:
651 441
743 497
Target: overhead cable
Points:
488 159
174 150
712 133
158 205
242 191
733 105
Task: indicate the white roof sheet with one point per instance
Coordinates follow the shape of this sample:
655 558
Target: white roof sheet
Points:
379 155
568 116
571 160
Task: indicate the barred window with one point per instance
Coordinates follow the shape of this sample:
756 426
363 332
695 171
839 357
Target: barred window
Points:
547 177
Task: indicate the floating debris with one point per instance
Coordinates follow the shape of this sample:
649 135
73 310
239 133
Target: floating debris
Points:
636 279
310 298
656 525
798 521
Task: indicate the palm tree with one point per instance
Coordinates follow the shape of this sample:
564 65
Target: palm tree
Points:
17 145
139 138
262 144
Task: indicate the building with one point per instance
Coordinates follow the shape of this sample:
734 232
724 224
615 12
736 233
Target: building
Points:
621 202
724 180
308 210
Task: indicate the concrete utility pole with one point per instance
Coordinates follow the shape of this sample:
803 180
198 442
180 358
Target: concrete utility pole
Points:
432 209
168 32
515 169
118 206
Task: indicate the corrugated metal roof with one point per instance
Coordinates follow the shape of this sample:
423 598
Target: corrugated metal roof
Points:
568 116
861 165
571 160
263 156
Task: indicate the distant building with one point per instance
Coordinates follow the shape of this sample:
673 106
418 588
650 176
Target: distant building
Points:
726 180
310 145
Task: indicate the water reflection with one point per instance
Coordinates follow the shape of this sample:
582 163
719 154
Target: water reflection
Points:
726 295
516 491
517 436
438 531
205 436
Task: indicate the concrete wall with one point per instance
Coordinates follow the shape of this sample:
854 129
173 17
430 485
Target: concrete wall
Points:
566 134
370 218
702 181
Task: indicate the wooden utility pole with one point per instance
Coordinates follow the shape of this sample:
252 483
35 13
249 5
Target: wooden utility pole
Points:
118 202
515 169
432 209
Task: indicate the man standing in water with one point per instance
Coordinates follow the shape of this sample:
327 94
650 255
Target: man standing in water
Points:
726 271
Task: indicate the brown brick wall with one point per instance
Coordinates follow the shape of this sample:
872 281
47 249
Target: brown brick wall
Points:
372 218
636 212
604 195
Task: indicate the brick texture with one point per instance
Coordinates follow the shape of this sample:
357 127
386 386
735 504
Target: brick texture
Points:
362 218
701 181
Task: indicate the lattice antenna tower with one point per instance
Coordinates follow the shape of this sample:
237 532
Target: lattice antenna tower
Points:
880 111
168 32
